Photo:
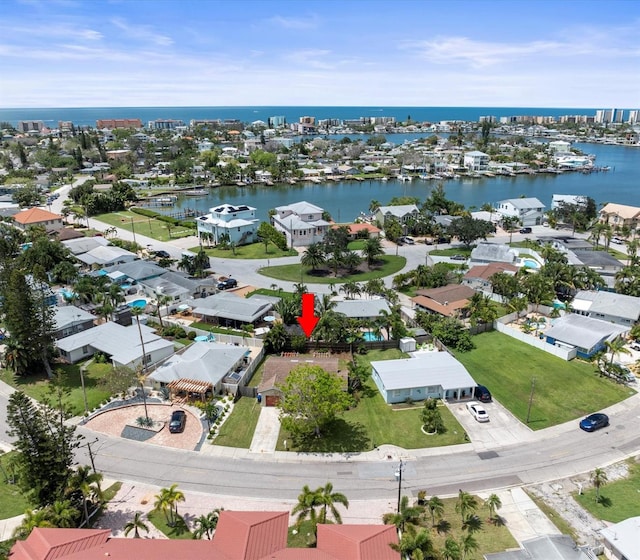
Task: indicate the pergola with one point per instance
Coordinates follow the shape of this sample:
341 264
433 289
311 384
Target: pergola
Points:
189 389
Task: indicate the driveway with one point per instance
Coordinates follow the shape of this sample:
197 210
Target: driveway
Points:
502 429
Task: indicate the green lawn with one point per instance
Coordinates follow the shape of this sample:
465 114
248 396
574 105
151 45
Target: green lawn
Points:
215 329
356 245
150 227
618 499
180 531
37 387
451 251
252 251
12 500
563 390
237 430
373 422
267 292
390 264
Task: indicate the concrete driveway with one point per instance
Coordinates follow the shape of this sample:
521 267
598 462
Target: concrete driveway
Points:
502 429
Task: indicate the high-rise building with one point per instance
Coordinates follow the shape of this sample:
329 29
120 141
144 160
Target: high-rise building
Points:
118 123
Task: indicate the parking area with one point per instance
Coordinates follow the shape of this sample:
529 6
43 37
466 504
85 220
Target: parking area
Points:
502 428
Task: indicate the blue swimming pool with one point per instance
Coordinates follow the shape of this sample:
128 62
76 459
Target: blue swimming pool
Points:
66 293
371 337
530 263
138 303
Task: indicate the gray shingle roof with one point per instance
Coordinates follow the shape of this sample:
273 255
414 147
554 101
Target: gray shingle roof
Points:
362 307
609 303
138 270
229 306
493 252
70 315
583 332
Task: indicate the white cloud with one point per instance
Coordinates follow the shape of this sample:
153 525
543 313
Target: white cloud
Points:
310 57
142 33
298 23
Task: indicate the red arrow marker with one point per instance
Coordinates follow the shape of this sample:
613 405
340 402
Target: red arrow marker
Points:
308 319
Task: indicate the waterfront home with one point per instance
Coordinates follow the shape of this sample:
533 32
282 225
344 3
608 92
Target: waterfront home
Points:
238 224
301 222
530 211
559 200
619 215
402 213
436 375
38 217
485 253
476 161
560 147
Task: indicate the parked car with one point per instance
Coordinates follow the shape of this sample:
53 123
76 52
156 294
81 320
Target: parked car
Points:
617 241
178 421
482 394
162 255
458 258
408 240
594 422
478 411
525 230
228 283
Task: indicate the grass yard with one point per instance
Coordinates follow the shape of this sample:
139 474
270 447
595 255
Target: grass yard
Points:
251 251
150 227
563 390
237 430
159 521
372 422
451 251
37 387
12 500
390 264
215 329
618 499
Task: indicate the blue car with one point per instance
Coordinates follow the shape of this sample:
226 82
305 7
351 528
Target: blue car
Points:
594 422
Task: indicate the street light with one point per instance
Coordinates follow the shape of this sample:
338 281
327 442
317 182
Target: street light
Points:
133 230
398 475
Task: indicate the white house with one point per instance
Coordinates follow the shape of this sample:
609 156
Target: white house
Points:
120 344
476 161
622 540
607 306
301 222
106 256
530 211
560 147
401 213
425 375
559 200
238 222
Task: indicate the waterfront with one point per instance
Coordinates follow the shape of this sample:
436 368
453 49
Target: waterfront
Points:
345 200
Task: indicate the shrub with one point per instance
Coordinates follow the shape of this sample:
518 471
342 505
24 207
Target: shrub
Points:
191 335
144 421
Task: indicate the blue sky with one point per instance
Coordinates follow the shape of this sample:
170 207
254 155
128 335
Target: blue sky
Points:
518 53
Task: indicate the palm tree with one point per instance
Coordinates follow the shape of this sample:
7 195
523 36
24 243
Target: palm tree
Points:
136 525
407 514
160 301
167 502
472 524
31 520
63 514
414 542
615 347
306 507
451 550
372 250
350 289
599 479
326 498
314 257
87 484
436 508
466 504
468 544
494 503
206 524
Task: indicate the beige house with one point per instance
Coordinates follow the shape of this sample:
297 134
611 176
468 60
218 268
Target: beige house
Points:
619 215
38 217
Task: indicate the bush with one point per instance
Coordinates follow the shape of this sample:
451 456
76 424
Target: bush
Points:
191 335
144 421
144 212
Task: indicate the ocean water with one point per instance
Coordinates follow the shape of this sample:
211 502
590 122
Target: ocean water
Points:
87 116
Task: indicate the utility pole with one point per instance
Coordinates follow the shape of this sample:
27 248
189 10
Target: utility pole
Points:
91 456
399 479
134 231
533 386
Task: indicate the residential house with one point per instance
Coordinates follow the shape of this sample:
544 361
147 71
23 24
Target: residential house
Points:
240 535
120 344
559 200
277 369
485 253
137 270
476 161
230 310
301 222
69 320
106 256
38 217
607 306
545 547
426 375
586 335
622 540
178 287
83 244
403 213
359 230
448 301
207 363
567 243
479 277
560 147
530 211
362 308
619 215
238 224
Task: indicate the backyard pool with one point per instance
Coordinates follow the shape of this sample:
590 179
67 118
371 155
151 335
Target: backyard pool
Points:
371 337
530 263
66 294
142 303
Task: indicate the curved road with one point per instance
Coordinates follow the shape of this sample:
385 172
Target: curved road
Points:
549 454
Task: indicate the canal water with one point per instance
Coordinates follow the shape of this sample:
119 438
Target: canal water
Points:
346 200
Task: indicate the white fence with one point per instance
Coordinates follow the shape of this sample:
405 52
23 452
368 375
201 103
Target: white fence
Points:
501 325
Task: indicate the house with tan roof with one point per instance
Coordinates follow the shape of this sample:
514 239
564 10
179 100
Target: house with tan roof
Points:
38 217
240 535
619 215
447 300
479 277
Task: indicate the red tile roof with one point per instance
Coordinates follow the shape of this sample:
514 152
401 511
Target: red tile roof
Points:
358 542
47 544
250 535
35 216
487 271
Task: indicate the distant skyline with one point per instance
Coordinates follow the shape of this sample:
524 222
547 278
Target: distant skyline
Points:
137 53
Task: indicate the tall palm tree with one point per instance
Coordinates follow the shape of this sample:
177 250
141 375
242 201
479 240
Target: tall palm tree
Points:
372 250
472 524
327 499
136 525
414 541
167 501
494 503
63 514
306 507
314 257
436 508
407 514
468 544
599 479
466 504
87 484
451 550
31 520
615 347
